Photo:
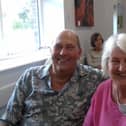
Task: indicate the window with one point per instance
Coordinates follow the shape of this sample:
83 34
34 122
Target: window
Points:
53 20
28 25
115 25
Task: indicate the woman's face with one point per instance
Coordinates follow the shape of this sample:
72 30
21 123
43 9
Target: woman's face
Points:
117 66
99 42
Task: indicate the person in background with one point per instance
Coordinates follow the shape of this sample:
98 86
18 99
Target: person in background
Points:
94 54
108 106
56 93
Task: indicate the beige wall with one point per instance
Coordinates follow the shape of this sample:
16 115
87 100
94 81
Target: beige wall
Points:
103 18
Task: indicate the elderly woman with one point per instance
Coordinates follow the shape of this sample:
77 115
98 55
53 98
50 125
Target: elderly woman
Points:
108 106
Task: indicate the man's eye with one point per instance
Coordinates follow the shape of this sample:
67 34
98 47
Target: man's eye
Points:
115 61
70 47
58 47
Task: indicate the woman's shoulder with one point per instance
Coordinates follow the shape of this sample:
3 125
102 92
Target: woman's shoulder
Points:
91 50
104 86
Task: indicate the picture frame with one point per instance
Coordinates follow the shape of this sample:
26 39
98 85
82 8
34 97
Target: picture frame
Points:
84 13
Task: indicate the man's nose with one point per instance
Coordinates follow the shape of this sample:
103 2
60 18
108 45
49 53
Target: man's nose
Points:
63 51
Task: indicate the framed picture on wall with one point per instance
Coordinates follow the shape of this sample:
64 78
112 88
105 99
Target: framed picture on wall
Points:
84 12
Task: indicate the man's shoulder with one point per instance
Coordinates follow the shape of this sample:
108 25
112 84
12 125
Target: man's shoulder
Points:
91 75
90 70
41 70
33 69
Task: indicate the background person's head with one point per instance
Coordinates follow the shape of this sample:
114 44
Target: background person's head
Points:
114 56
96 41
66 51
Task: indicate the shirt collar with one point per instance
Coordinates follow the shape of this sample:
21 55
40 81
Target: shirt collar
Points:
79 71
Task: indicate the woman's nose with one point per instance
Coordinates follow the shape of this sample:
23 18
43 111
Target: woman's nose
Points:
122 66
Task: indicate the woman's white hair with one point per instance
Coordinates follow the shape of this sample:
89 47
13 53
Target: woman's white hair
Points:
118 40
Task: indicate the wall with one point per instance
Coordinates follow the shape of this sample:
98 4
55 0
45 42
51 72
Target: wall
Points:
103 18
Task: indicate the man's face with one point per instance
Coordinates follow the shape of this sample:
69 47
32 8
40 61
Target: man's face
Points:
117 66
65 52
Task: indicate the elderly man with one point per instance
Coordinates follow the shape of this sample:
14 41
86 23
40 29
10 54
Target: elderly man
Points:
54 94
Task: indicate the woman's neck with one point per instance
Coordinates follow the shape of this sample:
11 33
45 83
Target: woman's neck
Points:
122 93
119 93
98 48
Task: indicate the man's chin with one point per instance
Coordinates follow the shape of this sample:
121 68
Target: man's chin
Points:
62 68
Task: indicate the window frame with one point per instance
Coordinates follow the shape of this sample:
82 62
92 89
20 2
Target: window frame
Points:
11 62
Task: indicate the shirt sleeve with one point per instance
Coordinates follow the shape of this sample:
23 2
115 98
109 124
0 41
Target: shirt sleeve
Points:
15 105
89 117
